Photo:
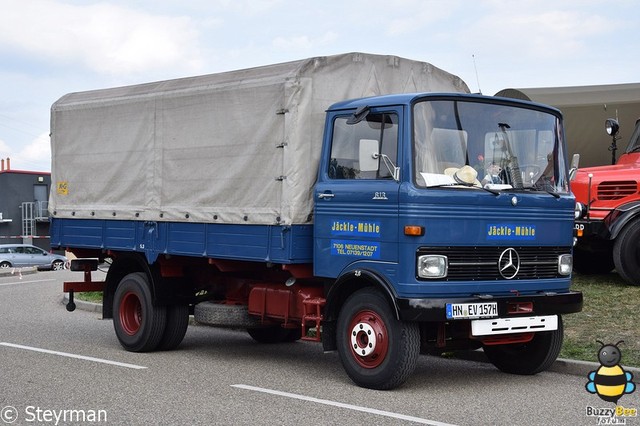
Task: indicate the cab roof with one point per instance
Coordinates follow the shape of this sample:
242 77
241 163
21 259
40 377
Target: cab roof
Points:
411 98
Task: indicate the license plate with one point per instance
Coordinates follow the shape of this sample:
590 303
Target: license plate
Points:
472 310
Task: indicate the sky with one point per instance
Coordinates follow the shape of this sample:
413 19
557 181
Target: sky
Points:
52 47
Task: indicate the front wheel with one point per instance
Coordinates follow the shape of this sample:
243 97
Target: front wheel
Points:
139 325
527 358
377 350
626 253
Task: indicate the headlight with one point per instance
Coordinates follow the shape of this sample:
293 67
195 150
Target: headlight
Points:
432 266
580 211
565 264
611 126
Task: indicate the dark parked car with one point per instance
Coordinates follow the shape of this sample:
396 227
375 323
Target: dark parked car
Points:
20 255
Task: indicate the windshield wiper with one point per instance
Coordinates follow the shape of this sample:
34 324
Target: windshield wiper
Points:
493 191
465 184
441 185
534 189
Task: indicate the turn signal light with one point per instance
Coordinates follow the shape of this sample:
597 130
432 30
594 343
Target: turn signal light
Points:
414 230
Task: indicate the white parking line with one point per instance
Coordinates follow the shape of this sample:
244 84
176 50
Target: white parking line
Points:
27 282
68 355
342 405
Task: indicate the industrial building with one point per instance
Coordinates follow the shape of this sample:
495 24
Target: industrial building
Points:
585 109
24 198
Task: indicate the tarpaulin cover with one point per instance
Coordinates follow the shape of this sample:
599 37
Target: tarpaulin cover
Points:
236 147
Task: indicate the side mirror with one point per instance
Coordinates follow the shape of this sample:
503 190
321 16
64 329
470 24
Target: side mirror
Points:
575 160
368 155
369 159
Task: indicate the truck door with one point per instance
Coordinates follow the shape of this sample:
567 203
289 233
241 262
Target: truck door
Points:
356 197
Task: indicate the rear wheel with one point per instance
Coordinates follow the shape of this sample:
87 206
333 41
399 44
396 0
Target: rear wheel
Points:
626 253
57 265
139 325
377 350
5 265
274 334
176 328
527 358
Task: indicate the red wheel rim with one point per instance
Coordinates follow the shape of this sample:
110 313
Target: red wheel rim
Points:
130 313
368 339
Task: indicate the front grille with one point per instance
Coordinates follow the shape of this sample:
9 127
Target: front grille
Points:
614 190
481 263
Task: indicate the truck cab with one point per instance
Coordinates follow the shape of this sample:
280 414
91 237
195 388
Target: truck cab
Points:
455 209
608 213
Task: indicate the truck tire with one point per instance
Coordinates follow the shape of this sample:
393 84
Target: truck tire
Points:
275 334
221 315
590 263
176 328
376 350
626 253
527 358
138 324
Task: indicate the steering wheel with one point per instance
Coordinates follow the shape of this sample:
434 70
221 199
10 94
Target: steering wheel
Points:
530 172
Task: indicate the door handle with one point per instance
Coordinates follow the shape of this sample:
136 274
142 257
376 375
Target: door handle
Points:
326 195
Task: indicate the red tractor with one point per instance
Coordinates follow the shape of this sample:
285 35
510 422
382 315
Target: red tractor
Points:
608 212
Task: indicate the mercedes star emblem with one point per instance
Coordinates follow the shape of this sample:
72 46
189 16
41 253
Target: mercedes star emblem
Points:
509 263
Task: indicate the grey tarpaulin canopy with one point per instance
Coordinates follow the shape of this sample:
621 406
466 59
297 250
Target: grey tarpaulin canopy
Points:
585 109
235 147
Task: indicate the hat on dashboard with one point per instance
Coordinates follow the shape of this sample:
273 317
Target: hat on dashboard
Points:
465 175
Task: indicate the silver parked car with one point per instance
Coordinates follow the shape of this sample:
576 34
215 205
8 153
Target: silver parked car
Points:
20 255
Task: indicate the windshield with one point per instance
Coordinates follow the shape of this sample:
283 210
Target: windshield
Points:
476 144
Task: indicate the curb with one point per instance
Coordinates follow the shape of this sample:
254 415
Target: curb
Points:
82 304
19 271
571 367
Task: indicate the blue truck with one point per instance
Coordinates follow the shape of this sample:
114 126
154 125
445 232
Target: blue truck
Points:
366 202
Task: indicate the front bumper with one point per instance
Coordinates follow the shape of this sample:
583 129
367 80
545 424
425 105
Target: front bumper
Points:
591 228
428 310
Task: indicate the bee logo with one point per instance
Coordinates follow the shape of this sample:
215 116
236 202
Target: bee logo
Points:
610 381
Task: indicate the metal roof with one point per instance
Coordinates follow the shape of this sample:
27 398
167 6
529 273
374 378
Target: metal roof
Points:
585 109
